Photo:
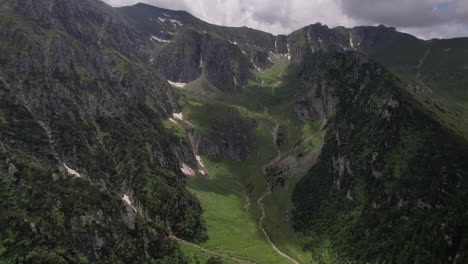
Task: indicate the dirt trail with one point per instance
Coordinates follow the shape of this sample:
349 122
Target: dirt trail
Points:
234 259
268 190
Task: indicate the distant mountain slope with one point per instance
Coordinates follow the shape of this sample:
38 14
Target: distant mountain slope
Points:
438 64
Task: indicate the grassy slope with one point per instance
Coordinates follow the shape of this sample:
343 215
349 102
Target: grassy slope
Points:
232 229
229 194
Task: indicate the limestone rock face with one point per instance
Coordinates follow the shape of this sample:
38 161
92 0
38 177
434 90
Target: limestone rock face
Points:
227 137
193 54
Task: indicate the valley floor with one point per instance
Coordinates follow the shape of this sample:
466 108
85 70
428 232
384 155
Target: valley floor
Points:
231 195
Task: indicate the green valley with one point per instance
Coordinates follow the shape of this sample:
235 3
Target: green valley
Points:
143 135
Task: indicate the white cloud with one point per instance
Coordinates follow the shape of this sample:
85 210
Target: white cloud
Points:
418 17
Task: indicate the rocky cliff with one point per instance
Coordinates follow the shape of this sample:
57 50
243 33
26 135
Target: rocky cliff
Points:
192 54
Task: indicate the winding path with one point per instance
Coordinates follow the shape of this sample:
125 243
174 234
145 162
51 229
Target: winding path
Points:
232 258
268 191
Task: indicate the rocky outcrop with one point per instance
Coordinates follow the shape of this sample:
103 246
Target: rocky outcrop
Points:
92 22
229 135
318 91
192 54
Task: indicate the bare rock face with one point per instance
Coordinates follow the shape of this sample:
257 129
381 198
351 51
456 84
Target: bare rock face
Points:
193 54
129 217
12 171
318 101
230 135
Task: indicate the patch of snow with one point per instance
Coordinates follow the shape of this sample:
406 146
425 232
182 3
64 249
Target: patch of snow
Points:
185 169
126 199
351 42
200 161
71 171
232 42
274 55
177 84
162 20
158 39
176 22
166 15
201 166
320 40
200 63
178 116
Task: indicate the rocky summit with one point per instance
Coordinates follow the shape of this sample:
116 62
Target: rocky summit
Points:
144 135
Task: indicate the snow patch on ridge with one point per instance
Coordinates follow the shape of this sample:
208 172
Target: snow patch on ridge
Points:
71 171
177 84
185 169
176 22
179 116
201 166
158 39
126 199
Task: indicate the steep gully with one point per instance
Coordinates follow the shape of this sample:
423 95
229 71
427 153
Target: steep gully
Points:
268 190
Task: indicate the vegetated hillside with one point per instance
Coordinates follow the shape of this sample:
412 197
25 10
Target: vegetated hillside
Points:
391 181
89 172
91 161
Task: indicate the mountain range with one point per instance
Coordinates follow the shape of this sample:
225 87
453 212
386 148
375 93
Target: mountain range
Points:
144 135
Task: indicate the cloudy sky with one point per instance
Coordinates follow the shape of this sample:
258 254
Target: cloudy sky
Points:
423 18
